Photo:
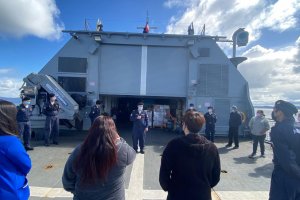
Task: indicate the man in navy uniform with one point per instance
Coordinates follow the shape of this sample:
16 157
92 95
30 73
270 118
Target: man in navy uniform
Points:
140 126
23 119
285 138
95 111
210 121
235 120
51 110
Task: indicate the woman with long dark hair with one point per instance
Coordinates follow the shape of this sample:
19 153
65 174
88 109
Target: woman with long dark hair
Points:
15 163
95 169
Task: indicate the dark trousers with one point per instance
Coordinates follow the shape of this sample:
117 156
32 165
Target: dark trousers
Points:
284 187
25 132
138 138
51 129
233 135
261 140
210 133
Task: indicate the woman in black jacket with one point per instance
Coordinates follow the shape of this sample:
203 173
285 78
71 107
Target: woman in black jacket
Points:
190 165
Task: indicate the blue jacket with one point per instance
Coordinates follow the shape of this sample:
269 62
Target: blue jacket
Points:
23 114
51 110
15 164
139 125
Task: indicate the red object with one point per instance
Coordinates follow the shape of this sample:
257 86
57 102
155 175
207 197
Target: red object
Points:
146 28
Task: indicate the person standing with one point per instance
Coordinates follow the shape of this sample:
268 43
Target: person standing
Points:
259 126
23 118
51 110
95 169
139 118
15 163
235 120
190 165
285 180
95 111
210 124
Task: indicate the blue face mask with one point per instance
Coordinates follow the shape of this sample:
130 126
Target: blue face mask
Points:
27 102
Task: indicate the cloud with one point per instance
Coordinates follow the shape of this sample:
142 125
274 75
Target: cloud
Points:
224 17
9 87
19 18
5 70
272 74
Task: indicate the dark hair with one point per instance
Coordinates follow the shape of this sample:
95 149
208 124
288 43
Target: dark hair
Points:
26 99
51 95
193 121
99 102
98 153
140 103
8 113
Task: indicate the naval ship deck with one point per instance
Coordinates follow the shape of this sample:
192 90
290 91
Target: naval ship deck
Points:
246 179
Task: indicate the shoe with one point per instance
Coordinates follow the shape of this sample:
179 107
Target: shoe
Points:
251 155
142 151
46 145
262 156
29 148
228 145
56 143
136 151
235 147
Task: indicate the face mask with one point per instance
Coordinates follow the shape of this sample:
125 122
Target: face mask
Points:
26 106
258 115
98 106
210 110
26 102
140 108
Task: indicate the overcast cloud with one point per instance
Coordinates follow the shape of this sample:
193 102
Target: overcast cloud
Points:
39 18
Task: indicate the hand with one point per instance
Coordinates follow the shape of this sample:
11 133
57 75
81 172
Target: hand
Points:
139 117
146 130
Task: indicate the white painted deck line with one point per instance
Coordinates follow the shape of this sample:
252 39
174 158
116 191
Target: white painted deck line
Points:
144 61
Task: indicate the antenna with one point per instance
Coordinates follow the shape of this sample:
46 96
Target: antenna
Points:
203 30
146 28
86 24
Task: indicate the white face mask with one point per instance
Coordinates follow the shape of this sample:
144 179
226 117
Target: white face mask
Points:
210 110
140 108
27 106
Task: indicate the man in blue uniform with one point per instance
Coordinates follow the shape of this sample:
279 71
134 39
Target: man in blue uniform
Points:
51 109
140 127
235 120
210 121
95 111
285 138
23 119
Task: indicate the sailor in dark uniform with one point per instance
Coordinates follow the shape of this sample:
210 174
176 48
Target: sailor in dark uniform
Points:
51 110
23 119
140 127
210 119
95 111
285 138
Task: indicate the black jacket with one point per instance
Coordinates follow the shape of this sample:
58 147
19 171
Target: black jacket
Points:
95 112
23 114
51 110
210 119
235 119
286 148
190 167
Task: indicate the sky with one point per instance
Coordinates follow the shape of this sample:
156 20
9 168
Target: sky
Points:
31 34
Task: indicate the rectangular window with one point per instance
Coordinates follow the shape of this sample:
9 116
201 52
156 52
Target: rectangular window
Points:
203 52
72 84
72 64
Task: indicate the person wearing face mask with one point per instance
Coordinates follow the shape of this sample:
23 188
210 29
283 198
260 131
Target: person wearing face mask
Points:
235 120
51 110
139 118
23 119
259 125
210 119
95 111
285 181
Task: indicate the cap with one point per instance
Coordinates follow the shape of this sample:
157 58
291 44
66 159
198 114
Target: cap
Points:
287 108
51 95
191 104
26 99
99 102
210 107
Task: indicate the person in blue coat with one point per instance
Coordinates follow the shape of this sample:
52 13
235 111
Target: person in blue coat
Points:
15 163
285 138
210 124
95 111
139 118
23 119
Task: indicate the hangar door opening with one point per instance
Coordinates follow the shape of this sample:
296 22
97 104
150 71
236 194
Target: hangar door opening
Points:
159 109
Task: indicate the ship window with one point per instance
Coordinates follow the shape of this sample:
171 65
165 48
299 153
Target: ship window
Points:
72 84
71 64
203 52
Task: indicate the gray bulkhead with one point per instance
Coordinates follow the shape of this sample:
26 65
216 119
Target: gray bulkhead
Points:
154 65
